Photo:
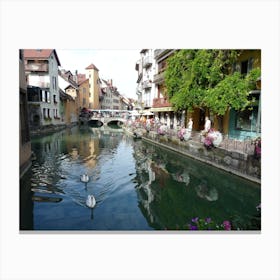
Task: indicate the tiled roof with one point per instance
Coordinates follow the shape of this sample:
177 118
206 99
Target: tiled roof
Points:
81 78
81 82
40 53
92 66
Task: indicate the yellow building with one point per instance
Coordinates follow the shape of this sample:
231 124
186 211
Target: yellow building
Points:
237 124
73 91
84 94
246 123
92 74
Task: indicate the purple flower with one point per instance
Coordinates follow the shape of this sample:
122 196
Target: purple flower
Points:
208 220
227 225
195 220
192 227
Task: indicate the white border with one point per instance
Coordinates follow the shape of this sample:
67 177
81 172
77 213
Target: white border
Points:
119 25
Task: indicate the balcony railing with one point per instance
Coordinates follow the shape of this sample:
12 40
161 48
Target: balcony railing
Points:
161 102
37 67
147 61
39 84
159 78
147 84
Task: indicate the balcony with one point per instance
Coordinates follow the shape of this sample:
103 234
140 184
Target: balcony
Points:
159 78
159 53
161 102
147 84
39 84
147 62
37 67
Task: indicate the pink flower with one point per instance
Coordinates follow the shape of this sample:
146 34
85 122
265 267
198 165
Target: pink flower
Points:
227 225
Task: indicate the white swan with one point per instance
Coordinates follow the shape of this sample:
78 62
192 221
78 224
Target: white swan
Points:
90 201
84 178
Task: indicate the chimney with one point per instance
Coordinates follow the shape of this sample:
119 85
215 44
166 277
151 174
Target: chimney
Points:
110 82
75 78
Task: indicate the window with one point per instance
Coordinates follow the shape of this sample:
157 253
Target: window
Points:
47 96
20 54
246 66
54 99
24 133
247 120
54 83
84 90
43 96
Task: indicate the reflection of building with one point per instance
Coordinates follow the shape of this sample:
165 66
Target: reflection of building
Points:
24 136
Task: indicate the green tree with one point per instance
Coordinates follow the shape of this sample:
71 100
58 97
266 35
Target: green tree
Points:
205 79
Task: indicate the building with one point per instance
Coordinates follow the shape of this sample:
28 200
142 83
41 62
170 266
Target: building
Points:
110 97
247 123
24 134
84 94
161 107
41 68
69 95
92 74
145 86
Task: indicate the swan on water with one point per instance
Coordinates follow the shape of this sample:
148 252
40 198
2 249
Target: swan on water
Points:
84 178
90 201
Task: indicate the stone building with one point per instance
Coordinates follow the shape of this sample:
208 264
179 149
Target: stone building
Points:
24 134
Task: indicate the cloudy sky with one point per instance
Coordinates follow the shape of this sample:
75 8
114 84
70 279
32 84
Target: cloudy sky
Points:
118 65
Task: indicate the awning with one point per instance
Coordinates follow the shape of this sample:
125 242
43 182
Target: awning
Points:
162 109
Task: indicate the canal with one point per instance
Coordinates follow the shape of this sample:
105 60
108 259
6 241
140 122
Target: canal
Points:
136 185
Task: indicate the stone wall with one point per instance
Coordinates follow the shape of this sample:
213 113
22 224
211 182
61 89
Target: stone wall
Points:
239 163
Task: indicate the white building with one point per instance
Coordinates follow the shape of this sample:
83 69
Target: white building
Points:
41 68
145 86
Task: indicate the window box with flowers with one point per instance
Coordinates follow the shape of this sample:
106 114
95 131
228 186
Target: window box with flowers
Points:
47 118
57 118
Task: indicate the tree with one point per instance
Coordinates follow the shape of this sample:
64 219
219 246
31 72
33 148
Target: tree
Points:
205 78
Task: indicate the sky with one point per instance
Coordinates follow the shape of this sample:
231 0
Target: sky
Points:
117 64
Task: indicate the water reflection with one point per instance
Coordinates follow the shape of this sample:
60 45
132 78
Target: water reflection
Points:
174 189
136 186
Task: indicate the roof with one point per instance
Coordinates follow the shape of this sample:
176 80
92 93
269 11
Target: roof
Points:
92 66
81 78
64 96
83 81
40 54
71 86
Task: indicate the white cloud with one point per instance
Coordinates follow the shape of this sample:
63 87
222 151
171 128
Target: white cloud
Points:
117 64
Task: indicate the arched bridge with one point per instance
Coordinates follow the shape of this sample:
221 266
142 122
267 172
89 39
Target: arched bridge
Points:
100 121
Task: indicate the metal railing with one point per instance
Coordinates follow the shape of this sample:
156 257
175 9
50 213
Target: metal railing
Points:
245 146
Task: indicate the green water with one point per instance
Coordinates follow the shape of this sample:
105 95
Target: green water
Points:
137 186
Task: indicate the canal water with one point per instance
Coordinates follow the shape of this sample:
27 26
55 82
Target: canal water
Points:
137 186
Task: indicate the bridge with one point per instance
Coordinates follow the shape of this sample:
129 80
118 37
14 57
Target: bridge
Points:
100 117
100 121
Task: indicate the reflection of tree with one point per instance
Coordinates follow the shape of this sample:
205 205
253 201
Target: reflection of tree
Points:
206 192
